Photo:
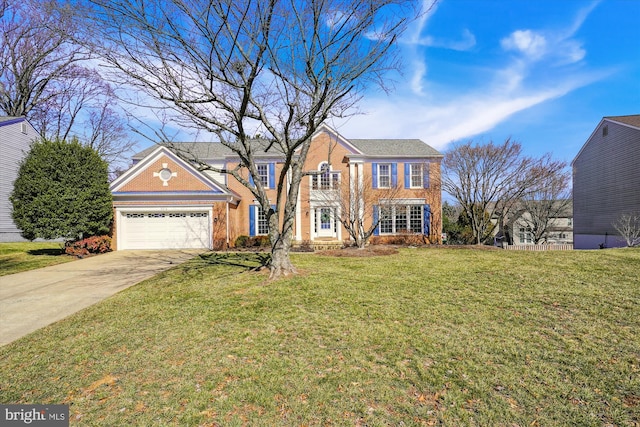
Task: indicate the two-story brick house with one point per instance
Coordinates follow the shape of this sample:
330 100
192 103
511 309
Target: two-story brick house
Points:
164 201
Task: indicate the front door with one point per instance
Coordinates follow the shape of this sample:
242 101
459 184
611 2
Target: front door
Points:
325 222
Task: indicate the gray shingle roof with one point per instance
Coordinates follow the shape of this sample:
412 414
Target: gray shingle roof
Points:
632 120
394 147
369 147
202 150
210 150
4 119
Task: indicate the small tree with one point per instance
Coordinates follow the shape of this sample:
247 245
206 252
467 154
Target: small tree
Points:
62 190
550 199
628 225
488 180
355 202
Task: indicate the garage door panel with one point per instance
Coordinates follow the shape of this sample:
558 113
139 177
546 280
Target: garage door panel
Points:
165 230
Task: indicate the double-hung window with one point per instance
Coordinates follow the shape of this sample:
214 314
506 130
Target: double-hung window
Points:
416 175
262 224
263 173
415 171
526 235
384 175
258 224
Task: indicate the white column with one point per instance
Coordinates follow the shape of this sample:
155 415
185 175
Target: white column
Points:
298 235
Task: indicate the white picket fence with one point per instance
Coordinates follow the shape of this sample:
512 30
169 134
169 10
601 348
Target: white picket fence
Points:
550 247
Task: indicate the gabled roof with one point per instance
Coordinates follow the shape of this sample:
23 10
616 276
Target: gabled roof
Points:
631 120
158 151
9 120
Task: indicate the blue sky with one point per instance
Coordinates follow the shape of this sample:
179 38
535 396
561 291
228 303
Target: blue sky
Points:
543 72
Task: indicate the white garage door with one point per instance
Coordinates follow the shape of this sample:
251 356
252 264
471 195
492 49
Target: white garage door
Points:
164 230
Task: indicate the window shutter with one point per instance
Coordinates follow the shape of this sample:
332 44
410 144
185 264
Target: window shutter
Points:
407 175
426 219
251 180
272 175
394 174
374 175
425 177
252 220
376 215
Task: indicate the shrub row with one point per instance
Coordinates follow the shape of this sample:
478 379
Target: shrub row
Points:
401 240
252 242
90 245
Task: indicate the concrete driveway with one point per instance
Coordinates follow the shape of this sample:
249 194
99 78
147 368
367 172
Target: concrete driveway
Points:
34 299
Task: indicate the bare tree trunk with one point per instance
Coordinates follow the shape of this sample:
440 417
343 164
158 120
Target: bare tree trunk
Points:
281 264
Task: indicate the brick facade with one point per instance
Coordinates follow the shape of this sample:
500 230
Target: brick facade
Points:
161 180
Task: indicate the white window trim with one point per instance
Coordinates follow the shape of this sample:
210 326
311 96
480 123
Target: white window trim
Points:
420 174
380 175
265 182
316 179
259 211
407 207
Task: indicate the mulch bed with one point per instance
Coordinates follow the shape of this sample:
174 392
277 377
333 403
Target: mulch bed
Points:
366 252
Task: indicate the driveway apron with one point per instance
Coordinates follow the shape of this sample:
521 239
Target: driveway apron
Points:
33 299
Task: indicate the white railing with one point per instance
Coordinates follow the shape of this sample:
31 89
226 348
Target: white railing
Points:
543 247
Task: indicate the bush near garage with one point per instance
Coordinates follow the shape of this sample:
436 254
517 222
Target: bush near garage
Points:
89 246
62 191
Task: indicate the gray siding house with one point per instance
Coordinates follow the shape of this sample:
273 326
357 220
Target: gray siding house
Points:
606 181
16 134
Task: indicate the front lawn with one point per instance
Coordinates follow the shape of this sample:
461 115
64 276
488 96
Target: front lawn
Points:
23 256
454 337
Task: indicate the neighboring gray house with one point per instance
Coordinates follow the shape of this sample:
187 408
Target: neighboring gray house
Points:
16 134
559 228
518 225
606 181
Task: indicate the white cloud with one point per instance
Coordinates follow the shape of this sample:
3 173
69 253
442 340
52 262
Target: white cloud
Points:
466 42
528 42
443 115
557 46
417 79
416 37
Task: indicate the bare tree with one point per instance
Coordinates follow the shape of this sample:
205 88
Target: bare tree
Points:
235 68
85 107
35 50
355 201
628 225
43 77
542 205
4 6
488 180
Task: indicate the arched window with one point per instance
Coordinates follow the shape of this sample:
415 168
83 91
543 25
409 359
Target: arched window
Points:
325 179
